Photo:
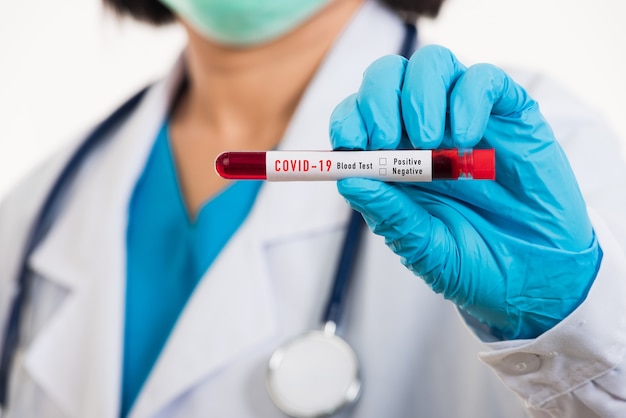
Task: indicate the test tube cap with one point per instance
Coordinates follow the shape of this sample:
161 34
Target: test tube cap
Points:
484 164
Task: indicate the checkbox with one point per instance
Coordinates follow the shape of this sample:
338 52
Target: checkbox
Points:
382 171
382 161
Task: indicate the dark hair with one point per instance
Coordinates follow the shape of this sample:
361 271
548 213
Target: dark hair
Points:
153 11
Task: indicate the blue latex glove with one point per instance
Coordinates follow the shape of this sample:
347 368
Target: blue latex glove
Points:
519 253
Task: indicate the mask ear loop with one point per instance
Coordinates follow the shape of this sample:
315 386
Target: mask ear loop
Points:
317 374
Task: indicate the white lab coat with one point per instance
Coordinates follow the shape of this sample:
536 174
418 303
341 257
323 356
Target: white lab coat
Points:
270 282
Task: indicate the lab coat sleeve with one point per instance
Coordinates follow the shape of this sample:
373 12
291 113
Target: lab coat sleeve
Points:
578 368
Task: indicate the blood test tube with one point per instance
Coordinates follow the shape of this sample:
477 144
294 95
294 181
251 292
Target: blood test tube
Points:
385 165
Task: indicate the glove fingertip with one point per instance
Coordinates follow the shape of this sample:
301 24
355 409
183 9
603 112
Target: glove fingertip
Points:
346 128
430 74
365 195
378 101
358 189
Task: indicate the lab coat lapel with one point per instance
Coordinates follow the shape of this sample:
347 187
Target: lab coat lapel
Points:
232 309
76 358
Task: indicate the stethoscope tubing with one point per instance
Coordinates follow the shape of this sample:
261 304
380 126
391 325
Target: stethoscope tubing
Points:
45 218
345 267
42 224
335 305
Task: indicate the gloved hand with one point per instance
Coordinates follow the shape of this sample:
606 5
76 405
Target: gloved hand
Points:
519 253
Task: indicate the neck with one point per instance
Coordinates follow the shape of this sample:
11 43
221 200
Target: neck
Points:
243 98
247 95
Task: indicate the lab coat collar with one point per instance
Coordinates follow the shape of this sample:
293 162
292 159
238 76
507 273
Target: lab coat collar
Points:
77 358
339 76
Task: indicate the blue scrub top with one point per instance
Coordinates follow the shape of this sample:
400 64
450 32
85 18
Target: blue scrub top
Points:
167 255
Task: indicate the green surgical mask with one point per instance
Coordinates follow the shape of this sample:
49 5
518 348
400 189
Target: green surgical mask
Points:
244 22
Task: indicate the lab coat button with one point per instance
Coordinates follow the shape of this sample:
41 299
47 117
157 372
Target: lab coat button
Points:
522 363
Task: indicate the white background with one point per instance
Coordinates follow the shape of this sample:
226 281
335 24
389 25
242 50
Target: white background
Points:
64 64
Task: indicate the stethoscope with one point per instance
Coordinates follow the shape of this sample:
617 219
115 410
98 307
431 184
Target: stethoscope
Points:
313 375
317 374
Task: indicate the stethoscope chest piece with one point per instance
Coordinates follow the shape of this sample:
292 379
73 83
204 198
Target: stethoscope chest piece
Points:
314 375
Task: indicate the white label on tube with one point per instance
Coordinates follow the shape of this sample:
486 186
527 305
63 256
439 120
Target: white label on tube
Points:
387 165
